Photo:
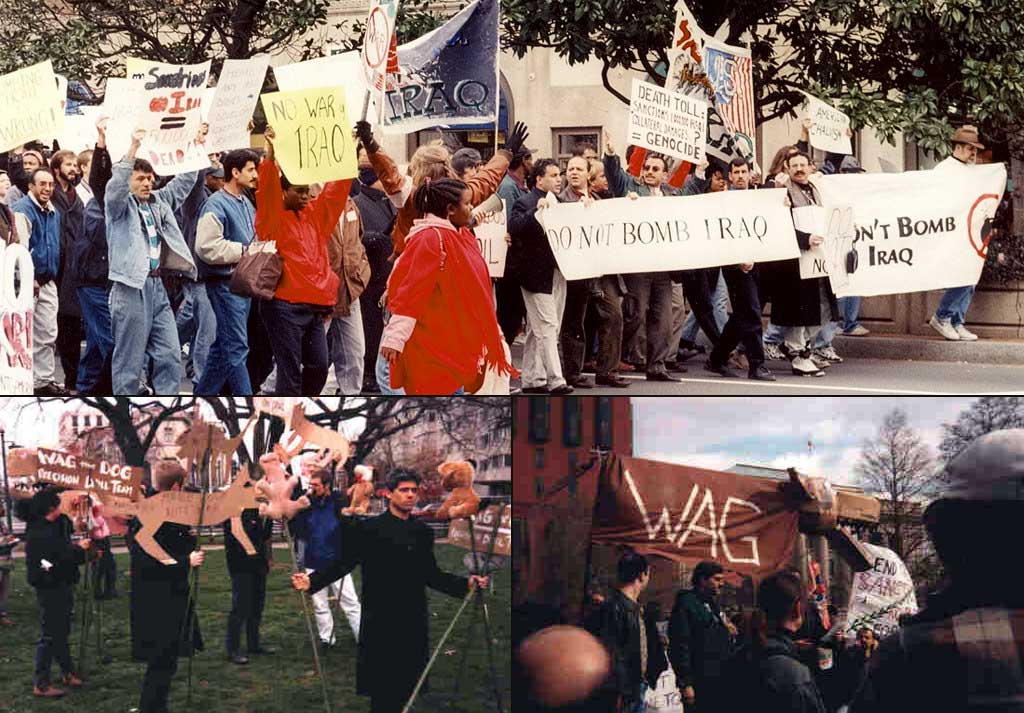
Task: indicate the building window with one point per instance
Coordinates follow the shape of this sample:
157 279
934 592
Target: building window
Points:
540 419
74 422
86 421
566 139
538 485
508 460
603 423
538 460
572 415
573 460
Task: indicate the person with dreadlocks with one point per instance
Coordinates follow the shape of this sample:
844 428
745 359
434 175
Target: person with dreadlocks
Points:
443 330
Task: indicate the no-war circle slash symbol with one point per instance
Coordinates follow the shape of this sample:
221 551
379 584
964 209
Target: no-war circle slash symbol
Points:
378 39
983 231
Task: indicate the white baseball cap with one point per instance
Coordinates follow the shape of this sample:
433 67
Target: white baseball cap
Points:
990 468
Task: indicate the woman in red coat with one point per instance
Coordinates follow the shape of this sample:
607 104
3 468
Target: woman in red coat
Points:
443 332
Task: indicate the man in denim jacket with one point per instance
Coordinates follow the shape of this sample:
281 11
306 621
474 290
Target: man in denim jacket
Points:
142 239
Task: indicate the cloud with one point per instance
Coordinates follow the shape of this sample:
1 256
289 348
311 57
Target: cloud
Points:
711 461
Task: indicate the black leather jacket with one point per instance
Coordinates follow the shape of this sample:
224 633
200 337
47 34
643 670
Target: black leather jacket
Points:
617 624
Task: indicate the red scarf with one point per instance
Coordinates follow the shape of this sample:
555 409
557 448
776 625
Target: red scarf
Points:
442 282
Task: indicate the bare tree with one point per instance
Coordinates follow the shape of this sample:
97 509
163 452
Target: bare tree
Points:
987 414
901 468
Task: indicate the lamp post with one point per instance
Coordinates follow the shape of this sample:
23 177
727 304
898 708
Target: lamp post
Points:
7 486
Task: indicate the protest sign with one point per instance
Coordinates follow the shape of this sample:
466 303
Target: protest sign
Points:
491 229
691 514
377 44
881 595
314 141
16 300
280 406
687 37
483 530
31 108
317 72
912 231
730 71
828 127
172 98
123 106
665 697
234 100
668 122
79 131
620 236
68 470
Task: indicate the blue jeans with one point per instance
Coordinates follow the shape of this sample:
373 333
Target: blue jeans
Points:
346 346
299 346
849 308
721 301
196 325
143 327
826 334
773 335
99 341
954 304
383 373
226 361
639 705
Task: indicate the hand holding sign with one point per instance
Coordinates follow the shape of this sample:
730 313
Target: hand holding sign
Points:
315 144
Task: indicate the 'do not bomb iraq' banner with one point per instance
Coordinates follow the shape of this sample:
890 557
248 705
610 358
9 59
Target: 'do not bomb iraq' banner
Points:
314 141
621 235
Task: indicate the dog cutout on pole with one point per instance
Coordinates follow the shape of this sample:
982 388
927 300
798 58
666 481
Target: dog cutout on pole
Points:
183 508
193 442
333 445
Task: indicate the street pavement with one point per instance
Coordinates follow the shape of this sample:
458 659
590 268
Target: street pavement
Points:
853 377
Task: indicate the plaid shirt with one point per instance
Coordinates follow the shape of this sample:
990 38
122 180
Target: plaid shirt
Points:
969 661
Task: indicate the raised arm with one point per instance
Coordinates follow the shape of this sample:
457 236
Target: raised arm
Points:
269 197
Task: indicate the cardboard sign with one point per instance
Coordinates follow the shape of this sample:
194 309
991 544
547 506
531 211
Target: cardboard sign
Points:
280 406
16 301
881 595
172 100
314 141
68 470
31 108
654 234
912 231
79 131
380 31
122 105
669 122
483 528
234 101
665 697
490 230
691 514
828 132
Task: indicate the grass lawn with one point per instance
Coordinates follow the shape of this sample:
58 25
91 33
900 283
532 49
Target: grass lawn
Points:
284 682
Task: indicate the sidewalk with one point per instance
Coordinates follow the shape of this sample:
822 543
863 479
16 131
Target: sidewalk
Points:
914 347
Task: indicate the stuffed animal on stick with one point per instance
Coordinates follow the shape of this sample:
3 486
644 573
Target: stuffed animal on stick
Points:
277 487
360 491
457 479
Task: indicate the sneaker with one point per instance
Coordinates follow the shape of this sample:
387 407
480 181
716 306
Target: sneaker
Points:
944 327
829 353
47 691
819 361
859 331
761 373
238 658
51 389
581 382
772 351
802 366
965 335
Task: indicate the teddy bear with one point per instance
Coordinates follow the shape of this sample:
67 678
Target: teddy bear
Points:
457 479
277 486
360 491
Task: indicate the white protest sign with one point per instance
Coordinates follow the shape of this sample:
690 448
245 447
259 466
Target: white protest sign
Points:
318 73
829 127
667 121
811 219
380 28
880 595
171 114
32 106
665 697
238 90
79 131
914 231
16 300
490 230
620 235
122 105
280 406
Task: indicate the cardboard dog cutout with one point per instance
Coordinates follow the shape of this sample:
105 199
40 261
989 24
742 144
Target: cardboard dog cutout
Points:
193 442
333 445
183 508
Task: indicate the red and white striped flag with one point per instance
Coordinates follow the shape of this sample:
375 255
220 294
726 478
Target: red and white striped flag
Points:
731 73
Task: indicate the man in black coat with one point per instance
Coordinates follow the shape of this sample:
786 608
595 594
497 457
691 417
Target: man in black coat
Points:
52 568
397 558
248 583
530 260
160 598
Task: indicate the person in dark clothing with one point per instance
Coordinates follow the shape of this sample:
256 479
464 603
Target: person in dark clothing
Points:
396 553
963 651
248 584
700 640
771 676
89 265
620 624
51 562
160 614
853 665
379 215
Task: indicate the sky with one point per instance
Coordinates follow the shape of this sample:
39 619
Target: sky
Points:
716 433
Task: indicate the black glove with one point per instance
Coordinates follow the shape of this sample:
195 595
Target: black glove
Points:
364 132
516 139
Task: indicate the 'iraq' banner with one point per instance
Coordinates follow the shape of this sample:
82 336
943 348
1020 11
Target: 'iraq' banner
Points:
691 514
621 235
912 231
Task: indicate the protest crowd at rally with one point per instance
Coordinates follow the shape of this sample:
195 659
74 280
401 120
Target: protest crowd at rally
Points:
793 651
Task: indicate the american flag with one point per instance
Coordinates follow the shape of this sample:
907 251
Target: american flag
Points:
731 73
